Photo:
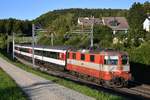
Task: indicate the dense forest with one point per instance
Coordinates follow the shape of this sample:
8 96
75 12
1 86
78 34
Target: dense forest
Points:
63 21
13 25
48 18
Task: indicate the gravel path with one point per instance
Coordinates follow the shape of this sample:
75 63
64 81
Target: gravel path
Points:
38 88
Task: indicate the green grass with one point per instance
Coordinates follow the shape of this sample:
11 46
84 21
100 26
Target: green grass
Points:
72 85
8 88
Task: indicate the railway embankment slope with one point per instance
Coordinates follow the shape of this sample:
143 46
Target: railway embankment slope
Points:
38 88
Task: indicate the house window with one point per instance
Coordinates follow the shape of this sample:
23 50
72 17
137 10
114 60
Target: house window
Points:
92 58
82 56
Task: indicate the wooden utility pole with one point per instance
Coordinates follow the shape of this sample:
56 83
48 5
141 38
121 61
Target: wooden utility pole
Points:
91 35
33 33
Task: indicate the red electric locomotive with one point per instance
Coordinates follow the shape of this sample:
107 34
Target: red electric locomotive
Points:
106 66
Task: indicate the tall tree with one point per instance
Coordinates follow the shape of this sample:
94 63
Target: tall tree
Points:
136 16
103 36
147 7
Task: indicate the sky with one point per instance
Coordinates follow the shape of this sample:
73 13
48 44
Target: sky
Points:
31 9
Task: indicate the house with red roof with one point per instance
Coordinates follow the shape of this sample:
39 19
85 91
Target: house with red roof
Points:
115 23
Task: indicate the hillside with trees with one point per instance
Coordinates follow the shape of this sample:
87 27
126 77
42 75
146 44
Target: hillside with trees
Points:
60 22
63 21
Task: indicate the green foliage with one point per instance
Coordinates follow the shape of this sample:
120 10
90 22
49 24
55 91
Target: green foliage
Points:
73 41
8 89
147 7
103 36
140 54
136 16
44 41
62 24
147 36
136 37
3 41
13 25
81 41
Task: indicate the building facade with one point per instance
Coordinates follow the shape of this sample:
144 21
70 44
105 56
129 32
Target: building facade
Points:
146 24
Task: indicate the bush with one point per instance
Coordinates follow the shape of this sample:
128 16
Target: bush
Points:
3 41
140 54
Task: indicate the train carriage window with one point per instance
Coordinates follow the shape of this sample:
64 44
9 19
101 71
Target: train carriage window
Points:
82 56
38 52
49 54
24 50
92 58
44 53
54 55
16 48
74 55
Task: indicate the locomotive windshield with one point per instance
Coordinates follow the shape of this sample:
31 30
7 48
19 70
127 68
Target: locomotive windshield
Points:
111 60
124 59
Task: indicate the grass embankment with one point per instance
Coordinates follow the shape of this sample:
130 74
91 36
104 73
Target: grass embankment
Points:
8 88
75 86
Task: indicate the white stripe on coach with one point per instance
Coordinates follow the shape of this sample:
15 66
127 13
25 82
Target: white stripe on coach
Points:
51 60
42 49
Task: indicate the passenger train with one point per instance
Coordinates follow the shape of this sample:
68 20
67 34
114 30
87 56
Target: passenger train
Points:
104 66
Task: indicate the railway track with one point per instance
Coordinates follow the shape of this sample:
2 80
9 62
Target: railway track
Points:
134 91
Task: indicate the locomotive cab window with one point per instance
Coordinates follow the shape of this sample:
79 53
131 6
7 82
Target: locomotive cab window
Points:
111 60
82 56
92 58
124 59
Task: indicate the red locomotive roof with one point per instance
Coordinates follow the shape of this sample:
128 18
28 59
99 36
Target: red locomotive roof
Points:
102 51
